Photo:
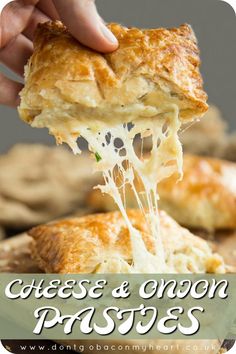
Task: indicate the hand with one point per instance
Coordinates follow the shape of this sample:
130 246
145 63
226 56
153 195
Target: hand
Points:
17 25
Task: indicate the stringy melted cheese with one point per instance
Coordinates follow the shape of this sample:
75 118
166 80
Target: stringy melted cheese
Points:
113 142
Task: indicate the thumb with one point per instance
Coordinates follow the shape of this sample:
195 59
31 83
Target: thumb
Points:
84 23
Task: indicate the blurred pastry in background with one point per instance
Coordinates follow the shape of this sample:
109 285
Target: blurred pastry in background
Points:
210 136
2 233
206 136
205 198
229 149
40 183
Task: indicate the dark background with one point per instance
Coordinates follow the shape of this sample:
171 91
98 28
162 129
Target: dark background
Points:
215 26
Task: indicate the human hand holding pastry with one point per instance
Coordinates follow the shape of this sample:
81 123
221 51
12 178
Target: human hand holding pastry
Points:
17 25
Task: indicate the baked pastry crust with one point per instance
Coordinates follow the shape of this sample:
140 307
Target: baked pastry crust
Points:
152 65
56 184
100 243
205 198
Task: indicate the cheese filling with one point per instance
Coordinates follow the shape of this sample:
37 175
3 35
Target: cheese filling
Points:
113 143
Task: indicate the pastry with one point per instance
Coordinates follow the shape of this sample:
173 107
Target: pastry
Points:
150 68
205 198
40 183
101 243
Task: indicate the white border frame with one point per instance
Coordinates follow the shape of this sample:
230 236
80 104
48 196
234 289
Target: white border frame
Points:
232 3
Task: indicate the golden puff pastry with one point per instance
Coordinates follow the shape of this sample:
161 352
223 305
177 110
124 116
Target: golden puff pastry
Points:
205 198
151 69
100 243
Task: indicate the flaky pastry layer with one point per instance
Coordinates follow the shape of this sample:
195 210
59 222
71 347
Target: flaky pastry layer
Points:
151 68
206 197
100 243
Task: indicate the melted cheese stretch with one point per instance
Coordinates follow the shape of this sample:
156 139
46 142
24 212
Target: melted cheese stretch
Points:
120 164
165 158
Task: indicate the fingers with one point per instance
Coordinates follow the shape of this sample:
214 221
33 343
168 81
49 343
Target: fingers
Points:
16 53
36 18
80 16
14 19
15 48
48 8
9 91
84 23
17 17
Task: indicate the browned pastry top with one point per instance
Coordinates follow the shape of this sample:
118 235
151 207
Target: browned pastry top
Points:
168 58
206 197
100 243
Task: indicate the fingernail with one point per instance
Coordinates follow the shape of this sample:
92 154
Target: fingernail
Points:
108 34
